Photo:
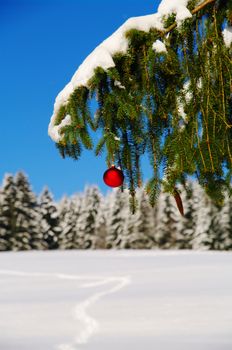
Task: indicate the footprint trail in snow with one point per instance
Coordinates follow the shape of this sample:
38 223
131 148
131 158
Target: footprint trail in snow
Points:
80 310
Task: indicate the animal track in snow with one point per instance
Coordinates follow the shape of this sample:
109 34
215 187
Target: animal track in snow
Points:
79 312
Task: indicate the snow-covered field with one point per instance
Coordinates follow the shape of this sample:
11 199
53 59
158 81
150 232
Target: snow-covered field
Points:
107 300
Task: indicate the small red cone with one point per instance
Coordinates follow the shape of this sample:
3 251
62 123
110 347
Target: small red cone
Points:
179 202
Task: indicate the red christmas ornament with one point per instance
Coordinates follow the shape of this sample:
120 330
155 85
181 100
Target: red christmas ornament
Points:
113 177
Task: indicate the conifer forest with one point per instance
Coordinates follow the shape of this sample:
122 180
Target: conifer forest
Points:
91 220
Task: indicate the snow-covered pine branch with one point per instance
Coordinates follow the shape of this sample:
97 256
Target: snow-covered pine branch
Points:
103 55
163 87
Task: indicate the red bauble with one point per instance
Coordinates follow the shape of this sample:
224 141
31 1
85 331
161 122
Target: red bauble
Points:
113 177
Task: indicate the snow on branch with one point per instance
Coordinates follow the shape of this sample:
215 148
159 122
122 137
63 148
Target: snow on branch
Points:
178 7
227 36
102 55
159 46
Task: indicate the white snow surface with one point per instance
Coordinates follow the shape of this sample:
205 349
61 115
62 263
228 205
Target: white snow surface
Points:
159 46
101 300
227 36
102 55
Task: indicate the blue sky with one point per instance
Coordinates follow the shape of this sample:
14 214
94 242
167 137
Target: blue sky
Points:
42 43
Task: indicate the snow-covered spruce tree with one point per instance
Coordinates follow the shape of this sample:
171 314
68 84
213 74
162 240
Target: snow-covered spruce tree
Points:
69 212
101 225
27 234
168 224
2 232
143 232
63 207
128 228
204 212
65 212
116 217
163 86
49 222
7 213
229 246
86 223
186 225
220 232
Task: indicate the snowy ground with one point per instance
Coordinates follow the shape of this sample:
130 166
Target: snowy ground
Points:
115 300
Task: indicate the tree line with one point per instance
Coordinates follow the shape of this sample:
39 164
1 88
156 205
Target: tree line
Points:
90 220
